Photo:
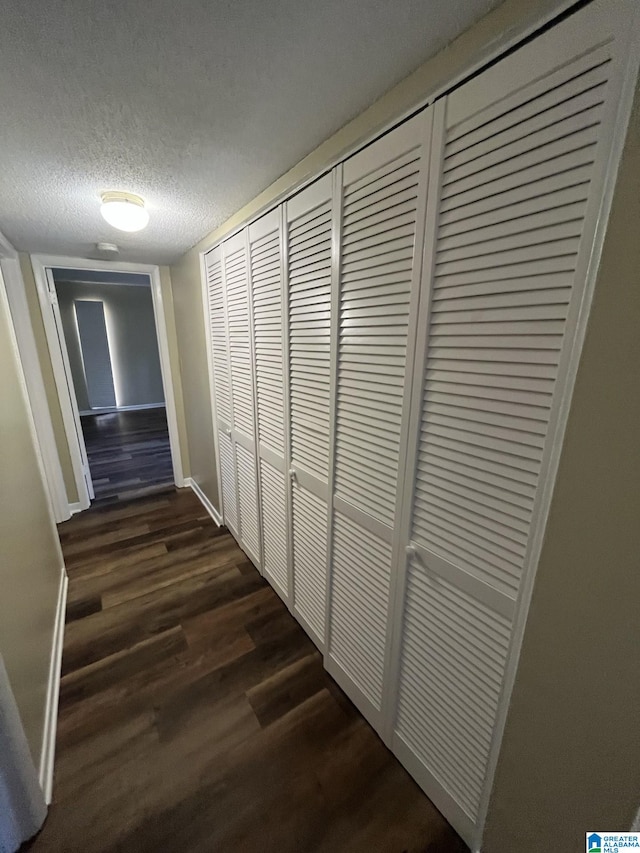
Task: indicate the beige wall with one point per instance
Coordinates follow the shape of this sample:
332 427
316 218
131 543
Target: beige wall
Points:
187 300
570 760
507 21
30 557
48 378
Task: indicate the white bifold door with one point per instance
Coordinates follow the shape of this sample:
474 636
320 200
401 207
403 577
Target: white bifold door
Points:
519 158
393 351
216 322
231 336
382 202
269 323
309 227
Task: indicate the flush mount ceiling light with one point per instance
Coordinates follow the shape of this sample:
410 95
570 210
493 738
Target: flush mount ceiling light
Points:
124 211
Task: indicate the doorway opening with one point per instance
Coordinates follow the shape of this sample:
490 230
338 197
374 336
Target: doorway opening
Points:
110 336
107 338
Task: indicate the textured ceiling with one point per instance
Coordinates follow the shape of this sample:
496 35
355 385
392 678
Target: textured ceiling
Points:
195 105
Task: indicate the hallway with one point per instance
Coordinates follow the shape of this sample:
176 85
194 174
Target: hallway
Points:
129 453
195 714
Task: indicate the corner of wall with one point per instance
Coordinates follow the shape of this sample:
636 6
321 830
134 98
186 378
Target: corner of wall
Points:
48 377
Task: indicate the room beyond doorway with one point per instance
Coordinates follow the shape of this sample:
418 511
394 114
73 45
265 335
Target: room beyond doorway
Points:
108 324
122 378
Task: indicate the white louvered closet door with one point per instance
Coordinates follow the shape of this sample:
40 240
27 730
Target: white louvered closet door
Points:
511 219
219 349
381 233
269 320
309 269
241 360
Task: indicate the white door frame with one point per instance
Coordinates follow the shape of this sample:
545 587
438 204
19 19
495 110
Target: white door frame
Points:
28 351
42 266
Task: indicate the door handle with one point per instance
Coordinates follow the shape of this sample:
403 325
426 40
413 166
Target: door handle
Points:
412 552
227 432
294 476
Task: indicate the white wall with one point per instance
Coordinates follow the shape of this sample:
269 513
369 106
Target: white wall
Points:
132 340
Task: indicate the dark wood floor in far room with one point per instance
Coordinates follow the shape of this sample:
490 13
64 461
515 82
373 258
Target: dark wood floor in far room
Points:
128 451
195 714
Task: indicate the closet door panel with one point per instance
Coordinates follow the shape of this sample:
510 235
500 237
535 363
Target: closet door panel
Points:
309 269
513 203
238 304
274 527
248 501
218 335
383 189
361 568
221 389
498 318
310 558
266 280
266 275
309 217
240 354
228 481
454 653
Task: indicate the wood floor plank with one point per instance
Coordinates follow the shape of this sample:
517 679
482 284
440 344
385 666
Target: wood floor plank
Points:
111 630
102 514
275 696
102 542
157 563
92 567
82 606
93 678
195 714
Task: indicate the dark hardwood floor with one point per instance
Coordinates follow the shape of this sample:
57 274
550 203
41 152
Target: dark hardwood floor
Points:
128 452
195 714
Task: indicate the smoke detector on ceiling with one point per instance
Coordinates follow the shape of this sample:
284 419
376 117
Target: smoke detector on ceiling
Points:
107 249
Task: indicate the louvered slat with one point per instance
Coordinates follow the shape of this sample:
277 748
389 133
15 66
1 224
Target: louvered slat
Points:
267 317
247 496
236 286
310 558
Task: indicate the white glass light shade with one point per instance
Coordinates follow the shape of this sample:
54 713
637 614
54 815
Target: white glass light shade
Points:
124 211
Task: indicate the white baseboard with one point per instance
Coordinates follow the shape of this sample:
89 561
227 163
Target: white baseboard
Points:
47 755
75 507
204 500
